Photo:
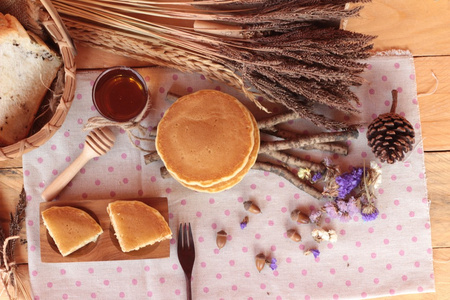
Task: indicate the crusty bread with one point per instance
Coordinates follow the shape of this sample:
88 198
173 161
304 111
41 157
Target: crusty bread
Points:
137 225
205 138
71 228
27 69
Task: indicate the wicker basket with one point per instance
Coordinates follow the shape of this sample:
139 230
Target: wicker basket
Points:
57 31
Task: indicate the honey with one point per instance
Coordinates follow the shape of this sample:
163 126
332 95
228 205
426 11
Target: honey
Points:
120 94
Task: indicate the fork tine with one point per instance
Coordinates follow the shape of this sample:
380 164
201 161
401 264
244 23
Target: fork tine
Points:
185 240
191 238
180 242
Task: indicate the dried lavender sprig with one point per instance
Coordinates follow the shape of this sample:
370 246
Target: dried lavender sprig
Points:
16 221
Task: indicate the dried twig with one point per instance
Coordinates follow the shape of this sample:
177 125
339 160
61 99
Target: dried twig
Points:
329 147
309 140
151 157
164 173
288 175
298 112
332 147
296 161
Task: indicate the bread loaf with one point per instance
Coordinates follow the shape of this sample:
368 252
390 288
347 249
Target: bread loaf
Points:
27 69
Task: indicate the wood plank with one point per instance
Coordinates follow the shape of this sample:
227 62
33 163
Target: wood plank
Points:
418 26
434 108
436 165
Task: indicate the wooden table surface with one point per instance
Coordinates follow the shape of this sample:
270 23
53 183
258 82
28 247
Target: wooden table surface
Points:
421 26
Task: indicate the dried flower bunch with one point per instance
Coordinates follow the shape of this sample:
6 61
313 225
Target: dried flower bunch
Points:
8 268
350 193
290 51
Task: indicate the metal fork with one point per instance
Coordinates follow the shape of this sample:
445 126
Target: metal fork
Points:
186 254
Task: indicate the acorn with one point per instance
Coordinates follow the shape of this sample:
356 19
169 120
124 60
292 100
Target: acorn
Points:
294 235
221 239
299 217
251 207
260 261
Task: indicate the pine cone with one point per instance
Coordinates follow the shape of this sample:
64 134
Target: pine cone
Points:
390 135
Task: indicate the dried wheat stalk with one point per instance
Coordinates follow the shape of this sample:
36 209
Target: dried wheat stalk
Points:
289 51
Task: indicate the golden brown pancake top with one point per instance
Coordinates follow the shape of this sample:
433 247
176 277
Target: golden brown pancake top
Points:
205 137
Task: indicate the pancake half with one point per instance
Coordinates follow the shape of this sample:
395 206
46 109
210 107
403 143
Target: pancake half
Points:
205 138
137 225
71 228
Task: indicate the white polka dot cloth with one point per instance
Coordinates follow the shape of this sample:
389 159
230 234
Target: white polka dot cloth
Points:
391 255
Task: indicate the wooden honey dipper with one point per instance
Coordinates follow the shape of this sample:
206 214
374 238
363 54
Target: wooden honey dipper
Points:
98 142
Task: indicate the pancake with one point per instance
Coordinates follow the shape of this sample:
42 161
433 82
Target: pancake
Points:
205 138
137 225
224 185
71 228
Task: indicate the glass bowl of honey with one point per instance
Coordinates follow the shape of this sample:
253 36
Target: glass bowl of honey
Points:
120 94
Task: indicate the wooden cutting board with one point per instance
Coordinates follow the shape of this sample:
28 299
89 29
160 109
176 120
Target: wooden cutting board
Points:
106 248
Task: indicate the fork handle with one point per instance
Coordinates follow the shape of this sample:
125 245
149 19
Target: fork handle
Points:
188 287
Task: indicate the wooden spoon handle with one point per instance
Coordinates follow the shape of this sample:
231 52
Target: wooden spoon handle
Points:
66 176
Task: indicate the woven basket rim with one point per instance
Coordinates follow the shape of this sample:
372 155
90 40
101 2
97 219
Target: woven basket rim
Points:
37 139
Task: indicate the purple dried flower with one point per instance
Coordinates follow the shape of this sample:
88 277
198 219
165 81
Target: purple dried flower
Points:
316 177
369 212
244 222
347 209
273 264
348 181
341 206
331 209
315 216
315 252
352 206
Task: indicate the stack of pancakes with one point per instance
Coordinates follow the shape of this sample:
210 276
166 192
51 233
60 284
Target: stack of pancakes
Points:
208 141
